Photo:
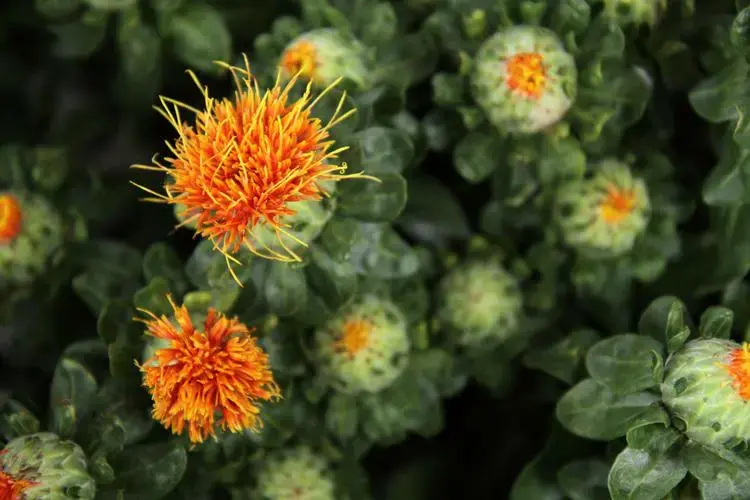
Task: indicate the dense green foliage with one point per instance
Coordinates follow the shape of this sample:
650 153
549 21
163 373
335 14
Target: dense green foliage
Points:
551 265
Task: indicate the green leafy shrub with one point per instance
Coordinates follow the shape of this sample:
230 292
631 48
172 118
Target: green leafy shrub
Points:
393 249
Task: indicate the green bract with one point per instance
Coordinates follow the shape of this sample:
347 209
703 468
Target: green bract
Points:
366 347
502 68
330 54
41 237
603 215
56 467
635 11
699 391
479 301
295 473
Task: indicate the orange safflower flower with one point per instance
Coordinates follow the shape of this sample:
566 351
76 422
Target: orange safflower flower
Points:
10 218
618 204
201 375
526 74
246 159
739 369
12 488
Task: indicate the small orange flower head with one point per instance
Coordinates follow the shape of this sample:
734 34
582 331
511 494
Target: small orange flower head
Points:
203 378
617 205
605 214
10 217
739 369
12 488
246 160
524 79
525 73
325 55
355 334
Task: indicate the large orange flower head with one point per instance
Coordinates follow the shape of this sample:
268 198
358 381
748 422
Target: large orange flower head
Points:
246 159
203 378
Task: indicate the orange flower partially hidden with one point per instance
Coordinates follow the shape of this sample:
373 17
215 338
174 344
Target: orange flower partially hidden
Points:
245 160
209 377
617 205
301 58
739 368
354 336
10 218
525 73
12 488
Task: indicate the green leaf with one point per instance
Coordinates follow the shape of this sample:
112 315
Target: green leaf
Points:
720 477
441 369
571 16
623 363
16 420
121 417
666 319
200 36
72 390
339 236
342 416
725 184
285 288
740 33
381 25
562 359
140 50
111 4
50 167
716 99
645 474
161 260
431 222
114 320
382 253
149 471
533 483
584 480
112 272
220 299
477 156
335 282
81 38
153 297
373 201
592 411
57 8
716 322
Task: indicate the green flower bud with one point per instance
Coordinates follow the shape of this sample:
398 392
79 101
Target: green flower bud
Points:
602 216
479 301
323 55
31 233
523 79
296 473
634 11
365 348
44 467
706 389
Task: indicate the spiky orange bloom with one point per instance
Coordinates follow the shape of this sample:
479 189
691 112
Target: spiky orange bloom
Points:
10 217
246 159
354 336
617 205
525 73
739 368
201 375
12 488
301 58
